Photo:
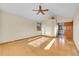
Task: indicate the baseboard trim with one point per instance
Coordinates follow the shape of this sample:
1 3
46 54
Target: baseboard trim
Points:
76 47
19 39
49 36
26 38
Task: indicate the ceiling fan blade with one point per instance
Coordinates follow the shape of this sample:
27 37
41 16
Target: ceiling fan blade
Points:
35 10
45 10
38 12
42 12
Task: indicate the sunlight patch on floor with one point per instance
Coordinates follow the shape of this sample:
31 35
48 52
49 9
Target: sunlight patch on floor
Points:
50 44
38 42
33 38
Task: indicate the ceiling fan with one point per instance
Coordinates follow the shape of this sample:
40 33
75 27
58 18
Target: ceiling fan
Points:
41 10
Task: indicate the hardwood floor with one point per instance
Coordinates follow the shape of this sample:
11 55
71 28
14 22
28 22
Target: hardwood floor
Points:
59 47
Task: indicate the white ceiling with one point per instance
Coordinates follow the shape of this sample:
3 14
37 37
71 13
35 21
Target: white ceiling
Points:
66 10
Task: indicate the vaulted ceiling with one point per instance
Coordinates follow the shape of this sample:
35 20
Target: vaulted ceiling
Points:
66 10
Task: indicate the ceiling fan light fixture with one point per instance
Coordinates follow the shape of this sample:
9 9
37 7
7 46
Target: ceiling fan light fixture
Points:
41 10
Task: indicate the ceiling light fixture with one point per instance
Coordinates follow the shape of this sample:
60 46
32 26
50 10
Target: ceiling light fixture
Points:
40 10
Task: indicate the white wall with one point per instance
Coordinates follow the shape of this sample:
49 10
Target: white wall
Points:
76 28
48 27
16 27
0 26
61 19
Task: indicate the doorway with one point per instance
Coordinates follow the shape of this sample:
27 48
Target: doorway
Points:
68 30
